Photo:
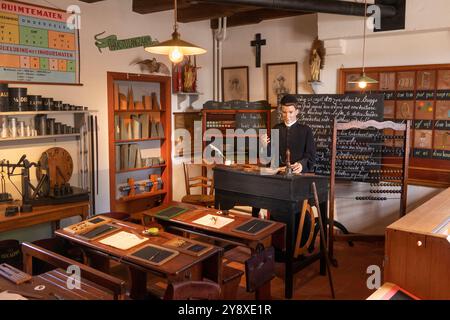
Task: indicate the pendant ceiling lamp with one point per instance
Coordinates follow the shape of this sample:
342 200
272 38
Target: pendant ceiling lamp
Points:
364 80
175 48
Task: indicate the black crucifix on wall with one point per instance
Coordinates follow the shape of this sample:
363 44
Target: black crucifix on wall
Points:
257 43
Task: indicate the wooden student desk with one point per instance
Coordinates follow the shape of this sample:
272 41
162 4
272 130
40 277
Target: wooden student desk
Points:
55 288
184 222
181 267
273 235
42 214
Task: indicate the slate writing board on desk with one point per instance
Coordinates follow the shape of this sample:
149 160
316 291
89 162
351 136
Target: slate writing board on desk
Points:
99 231
253 226
154 254
318 112
188 246
170 212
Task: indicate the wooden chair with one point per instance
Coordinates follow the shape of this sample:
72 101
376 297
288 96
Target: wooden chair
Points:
206 184
192 290
30 251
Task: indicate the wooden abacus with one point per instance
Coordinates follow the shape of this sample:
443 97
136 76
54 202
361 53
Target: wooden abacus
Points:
350 152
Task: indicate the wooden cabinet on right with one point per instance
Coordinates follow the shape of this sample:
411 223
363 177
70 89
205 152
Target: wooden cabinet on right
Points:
418 250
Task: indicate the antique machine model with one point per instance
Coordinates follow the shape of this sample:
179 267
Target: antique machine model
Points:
53 171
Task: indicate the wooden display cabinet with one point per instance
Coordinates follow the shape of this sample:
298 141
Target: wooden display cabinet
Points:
139 122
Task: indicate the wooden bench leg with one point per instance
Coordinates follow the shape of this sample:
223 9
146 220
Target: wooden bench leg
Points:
138 289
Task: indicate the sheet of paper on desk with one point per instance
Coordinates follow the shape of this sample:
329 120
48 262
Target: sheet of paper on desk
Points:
123 240
213 221
5 295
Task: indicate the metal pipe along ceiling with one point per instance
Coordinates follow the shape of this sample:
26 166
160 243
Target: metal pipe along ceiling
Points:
323 6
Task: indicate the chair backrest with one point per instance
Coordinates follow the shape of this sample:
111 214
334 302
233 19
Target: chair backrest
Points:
30 251
198 180
192 290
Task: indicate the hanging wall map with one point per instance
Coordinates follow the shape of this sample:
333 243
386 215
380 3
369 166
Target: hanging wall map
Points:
37 45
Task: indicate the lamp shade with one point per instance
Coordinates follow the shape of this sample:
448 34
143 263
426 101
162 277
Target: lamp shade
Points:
167 47
363 81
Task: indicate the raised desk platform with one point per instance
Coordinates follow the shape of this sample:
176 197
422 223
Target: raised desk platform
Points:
42 214
418 249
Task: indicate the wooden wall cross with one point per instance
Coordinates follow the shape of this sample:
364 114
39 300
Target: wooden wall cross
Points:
257 43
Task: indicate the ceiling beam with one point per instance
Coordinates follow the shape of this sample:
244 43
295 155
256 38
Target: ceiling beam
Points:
204 11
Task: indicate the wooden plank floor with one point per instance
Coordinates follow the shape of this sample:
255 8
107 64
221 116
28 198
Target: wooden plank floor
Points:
349 278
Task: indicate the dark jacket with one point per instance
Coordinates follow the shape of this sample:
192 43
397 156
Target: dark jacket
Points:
301 144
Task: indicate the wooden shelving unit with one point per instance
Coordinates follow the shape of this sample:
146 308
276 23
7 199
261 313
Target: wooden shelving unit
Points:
120 83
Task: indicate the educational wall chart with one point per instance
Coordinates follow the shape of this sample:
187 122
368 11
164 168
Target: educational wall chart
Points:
36 45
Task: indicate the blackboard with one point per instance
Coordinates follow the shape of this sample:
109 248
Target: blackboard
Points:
319 111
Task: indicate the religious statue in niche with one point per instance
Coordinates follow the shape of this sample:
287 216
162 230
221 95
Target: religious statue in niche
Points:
316 60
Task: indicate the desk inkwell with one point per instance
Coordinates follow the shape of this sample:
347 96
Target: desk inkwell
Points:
288 171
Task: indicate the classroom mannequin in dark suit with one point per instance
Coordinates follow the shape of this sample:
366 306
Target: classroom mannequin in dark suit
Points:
296 137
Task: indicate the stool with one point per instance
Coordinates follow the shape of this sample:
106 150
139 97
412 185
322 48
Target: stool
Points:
230 282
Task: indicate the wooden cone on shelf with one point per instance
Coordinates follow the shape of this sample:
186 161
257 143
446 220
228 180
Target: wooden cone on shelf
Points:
147 100
153 129
160 129
123 103
155 102
116 97
130 99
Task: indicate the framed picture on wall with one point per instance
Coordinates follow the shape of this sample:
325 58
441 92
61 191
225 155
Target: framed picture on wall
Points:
281 78
235 84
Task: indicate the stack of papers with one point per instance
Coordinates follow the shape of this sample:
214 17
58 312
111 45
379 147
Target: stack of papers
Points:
123 240
213 221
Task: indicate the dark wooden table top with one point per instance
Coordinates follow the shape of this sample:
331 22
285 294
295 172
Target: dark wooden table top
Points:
40 214
173 267
54 287
194 212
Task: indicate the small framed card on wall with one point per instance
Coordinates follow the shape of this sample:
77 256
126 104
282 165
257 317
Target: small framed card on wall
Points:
281 79
235 84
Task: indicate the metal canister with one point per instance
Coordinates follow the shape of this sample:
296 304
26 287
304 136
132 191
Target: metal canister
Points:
63 129
4 97
18 99
58 128
41 124
51 126
57 106
47 103
66 107
35 103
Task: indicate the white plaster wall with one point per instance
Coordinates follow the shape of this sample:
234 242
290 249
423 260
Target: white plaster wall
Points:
116 18
287 40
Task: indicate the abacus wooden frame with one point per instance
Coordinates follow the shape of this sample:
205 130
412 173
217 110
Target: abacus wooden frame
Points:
405 165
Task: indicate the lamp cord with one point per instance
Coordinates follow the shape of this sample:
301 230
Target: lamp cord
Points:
175 15
364 37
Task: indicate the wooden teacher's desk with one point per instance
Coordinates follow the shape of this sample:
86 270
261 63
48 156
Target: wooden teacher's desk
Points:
42 214
281 195
180 267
